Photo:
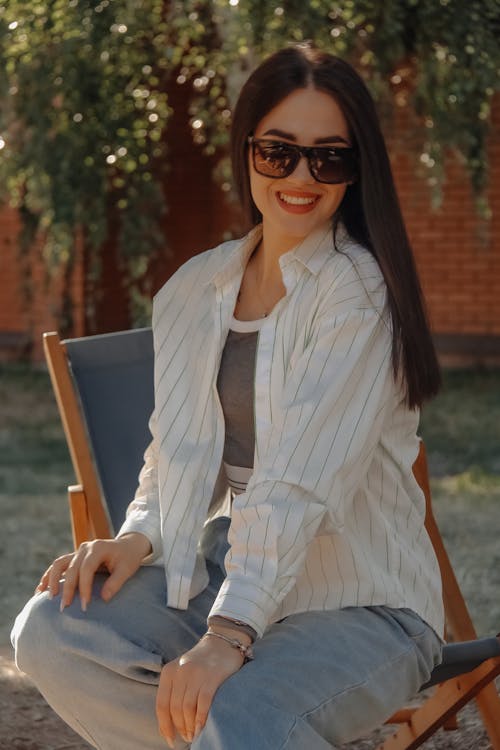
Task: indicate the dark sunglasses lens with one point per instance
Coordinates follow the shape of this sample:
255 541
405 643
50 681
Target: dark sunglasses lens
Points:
274 160
329 165
333 166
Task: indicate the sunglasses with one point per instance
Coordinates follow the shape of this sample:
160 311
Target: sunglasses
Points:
328 164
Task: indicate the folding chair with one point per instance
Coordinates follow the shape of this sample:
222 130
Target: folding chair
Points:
104 390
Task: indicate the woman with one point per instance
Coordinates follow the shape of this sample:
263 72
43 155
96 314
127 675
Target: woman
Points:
310 332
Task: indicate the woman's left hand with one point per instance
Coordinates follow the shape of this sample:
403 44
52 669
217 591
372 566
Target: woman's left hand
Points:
188 685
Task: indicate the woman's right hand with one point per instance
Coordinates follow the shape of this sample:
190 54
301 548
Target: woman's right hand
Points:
121 557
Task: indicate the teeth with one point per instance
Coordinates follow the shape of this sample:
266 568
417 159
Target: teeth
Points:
296 200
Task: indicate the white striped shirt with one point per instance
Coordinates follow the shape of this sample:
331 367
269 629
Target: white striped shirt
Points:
332 515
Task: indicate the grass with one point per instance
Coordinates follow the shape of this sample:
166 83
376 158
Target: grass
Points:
461 429
34 471
32 444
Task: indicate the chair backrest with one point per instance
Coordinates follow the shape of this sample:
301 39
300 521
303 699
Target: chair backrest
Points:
113 376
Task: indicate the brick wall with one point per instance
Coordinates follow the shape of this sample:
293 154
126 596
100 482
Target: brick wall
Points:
458 254
31 298
12 317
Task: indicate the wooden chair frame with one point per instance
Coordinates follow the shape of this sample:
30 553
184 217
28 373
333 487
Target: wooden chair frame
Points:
89 520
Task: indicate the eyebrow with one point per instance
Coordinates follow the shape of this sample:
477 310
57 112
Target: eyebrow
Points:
318 141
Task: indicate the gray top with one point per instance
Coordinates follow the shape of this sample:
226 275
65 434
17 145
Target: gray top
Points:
235 385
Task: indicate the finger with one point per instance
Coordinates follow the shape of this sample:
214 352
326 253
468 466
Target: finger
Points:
205 698
55 572
113 584
189 708
71 576
96 558
165 723
176 706
44 582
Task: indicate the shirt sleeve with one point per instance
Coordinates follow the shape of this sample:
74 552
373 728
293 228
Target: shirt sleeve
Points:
143 513
323 436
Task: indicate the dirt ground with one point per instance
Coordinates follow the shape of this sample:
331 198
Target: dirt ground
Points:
27 722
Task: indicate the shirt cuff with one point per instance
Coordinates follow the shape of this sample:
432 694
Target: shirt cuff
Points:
243 600
138 522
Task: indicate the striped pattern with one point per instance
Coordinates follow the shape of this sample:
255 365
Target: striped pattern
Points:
332 516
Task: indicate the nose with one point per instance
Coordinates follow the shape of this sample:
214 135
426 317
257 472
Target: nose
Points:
302 173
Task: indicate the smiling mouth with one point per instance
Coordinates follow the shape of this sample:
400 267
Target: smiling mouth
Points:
298 200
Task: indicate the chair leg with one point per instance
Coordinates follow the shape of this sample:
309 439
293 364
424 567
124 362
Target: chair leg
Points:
448 698
488 703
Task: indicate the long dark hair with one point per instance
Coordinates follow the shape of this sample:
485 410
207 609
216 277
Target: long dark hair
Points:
370 209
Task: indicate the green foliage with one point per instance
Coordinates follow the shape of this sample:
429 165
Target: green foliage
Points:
441 58
84 94
84 110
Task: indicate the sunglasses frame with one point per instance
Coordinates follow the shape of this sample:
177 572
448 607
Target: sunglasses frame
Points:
309 153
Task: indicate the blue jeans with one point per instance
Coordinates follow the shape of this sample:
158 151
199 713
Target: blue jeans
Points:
319 679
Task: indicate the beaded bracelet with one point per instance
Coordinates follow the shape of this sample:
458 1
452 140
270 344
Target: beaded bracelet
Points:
245 651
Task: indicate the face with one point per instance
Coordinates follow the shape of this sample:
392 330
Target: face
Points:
294 206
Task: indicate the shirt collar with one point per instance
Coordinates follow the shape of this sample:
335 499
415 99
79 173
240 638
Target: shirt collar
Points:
232 263
312 252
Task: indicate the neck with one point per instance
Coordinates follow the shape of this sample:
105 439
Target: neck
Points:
262 285
267 254
266 266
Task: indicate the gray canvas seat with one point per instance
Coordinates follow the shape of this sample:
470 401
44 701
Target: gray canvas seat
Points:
114 377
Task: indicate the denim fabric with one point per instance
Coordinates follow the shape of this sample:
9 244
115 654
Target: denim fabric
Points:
319 679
